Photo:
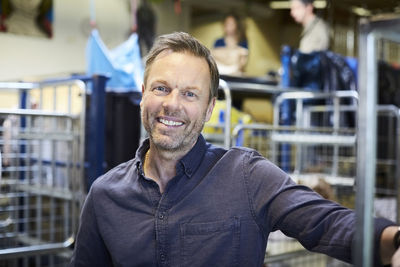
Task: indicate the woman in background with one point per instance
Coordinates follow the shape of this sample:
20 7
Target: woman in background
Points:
231 51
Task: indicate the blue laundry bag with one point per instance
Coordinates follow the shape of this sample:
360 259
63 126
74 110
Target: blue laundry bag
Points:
122 64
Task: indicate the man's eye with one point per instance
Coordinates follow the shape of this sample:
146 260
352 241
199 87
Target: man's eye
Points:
190 94
160 88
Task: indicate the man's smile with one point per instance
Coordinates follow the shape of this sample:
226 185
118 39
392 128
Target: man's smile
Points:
169 122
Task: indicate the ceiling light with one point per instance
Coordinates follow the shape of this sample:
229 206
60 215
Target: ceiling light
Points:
320 4
360 11
279 4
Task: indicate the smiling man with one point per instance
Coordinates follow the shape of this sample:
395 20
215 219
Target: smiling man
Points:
176 103
184 202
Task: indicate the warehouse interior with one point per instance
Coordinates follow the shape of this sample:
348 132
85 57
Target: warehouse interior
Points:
70 94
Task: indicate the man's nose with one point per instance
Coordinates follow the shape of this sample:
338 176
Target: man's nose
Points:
172 100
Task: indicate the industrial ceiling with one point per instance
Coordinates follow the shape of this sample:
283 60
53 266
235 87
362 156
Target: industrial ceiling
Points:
358 7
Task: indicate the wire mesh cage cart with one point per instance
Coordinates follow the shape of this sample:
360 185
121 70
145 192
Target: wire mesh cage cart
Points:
372 31
319 149
42 185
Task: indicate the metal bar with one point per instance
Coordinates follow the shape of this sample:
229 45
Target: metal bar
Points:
297 138
17 85
395 111
96 129
36 249
366 149
262 88
314 95
261 126
228 110
286 256
31 112
299 147
336 122
285 111
398 166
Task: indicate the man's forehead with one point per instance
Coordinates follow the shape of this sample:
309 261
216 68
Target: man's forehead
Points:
164 53
169 52
179 59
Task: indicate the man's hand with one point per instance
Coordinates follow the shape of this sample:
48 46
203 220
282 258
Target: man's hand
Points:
387 247
396 259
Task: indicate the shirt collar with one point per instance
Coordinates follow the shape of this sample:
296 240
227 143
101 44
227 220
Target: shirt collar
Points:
190 162
310 25
140 154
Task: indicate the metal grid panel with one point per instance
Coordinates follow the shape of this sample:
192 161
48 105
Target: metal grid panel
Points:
41 189
321 148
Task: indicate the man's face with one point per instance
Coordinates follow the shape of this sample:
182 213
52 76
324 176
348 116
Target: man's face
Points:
298 11
175 103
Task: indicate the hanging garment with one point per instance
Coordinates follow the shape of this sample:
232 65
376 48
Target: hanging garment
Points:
146 26
325 71
123 64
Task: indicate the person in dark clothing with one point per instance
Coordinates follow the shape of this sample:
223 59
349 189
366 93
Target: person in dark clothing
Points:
184 202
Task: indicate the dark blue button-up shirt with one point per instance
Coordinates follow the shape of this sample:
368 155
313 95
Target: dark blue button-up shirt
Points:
217 211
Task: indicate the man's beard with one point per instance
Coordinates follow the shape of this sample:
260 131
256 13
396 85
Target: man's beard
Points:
181 141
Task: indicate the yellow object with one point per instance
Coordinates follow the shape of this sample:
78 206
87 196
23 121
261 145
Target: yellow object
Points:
261 110
215 124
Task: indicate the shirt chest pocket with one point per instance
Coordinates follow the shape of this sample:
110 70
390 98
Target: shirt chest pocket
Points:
211 243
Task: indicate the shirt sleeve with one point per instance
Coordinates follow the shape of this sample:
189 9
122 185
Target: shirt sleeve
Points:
90 249
320 225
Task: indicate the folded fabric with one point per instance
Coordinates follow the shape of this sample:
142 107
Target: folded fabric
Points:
122 64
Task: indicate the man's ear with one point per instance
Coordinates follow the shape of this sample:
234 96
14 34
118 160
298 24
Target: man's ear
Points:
142 95
210 109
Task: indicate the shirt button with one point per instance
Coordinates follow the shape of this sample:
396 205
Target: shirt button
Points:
161 216
162 257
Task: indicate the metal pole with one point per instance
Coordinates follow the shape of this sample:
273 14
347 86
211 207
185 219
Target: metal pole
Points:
285 157
228 110
366 148
96 129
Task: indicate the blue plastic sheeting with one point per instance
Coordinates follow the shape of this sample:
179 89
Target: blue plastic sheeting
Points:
353 65
122 64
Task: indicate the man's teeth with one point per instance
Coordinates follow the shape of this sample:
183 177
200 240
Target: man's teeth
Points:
170 123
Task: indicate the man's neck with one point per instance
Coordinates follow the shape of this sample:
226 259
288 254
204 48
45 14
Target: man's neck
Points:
160 165
308 20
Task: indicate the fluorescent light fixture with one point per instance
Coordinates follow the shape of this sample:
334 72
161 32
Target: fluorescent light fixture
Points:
279 4
320 4
362 12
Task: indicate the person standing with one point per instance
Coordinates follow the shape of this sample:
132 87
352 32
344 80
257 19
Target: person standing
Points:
315 34
231 51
